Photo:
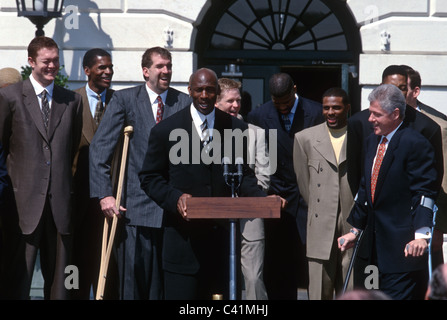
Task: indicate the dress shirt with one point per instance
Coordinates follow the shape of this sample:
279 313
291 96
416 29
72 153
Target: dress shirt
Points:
38 88
93 98
291 114
153 99
198 119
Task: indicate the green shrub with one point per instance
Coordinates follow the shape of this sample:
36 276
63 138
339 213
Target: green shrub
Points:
60 80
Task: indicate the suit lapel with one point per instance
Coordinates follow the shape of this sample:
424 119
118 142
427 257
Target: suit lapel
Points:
387 161
273 121
32 105
58 107
145 106
88 123
323 145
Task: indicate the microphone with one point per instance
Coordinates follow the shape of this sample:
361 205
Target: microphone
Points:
239 161
225 164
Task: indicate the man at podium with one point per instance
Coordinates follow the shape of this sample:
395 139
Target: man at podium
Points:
183 161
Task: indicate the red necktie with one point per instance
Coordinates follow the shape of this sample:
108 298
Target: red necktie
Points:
376 169
159 110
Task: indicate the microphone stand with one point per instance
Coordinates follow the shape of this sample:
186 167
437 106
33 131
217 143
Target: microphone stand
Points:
230 180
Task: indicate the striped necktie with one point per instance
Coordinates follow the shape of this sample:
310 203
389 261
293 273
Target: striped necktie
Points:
99 110
287 123
45 109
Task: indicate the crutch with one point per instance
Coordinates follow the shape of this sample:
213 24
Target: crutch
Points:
107 242
351 263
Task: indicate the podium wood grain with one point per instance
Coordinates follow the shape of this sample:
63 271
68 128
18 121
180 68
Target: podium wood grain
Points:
233 208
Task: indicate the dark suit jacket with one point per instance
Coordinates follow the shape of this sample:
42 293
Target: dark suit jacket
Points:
39 163
81 162
359 129
283 181
407 173
165 181
3 176
129 107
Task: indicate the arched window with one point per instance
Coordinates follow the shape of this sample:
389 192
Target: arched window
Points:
279 25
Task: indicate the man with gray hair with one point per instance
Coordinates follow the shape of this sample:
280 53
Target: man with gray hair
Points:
398 161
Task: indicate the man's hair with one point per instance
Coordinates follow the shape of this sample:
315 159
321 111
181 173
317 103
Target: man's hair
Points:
90 56
280 84
337 92
394 69
9 76
146 60
227 84
438 284
38 43
415 78
389 97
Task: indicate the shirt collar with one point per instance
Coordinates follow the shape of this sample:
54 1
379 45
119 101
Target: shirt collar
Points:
92 93
38 88
153 96
391 134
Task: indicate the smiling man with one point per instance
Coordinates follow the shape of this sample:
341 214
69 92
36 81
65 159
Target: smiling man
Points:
96 95
394 204
142 107
195 251
319 159
40 128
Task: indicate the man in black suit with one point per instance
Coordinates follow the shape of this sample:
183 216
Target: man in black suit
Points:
359 129
398 160
195 252
285 259
414 90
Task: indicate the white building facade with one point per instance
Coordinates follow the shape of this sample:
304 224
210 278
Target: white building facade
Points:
322 43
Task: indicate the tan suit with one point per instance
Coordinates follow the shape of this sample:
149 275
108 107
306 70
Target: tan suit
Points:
324 186
252 230
89 219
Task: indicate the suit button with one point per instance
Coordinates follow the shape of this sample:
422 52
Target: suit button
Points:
48 163
318 185
316 215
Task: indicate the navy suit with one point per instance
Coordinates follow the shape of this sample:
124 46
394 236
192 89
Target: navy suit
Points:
197 248
407 173
284 244
358 130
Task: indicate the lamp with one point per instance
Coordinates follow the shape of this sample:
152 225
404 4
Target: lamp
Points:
39 12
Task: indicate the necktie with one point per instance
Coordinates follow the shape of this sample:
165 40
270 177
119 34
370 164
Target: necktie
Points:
159 110
205 136
287 123
99 110
375 173
45 109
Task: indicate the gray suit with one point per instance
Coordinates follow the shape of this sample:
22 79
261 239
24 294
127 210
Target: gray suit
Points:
131 107
324 186
252 230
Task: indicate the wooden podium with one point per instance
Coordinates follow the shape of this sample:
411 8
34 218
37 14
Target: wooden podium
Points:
233 208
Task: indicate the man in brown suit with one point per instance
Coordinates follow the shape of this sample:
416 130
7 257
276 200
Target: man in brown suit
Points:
89 220
319 159
40 128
